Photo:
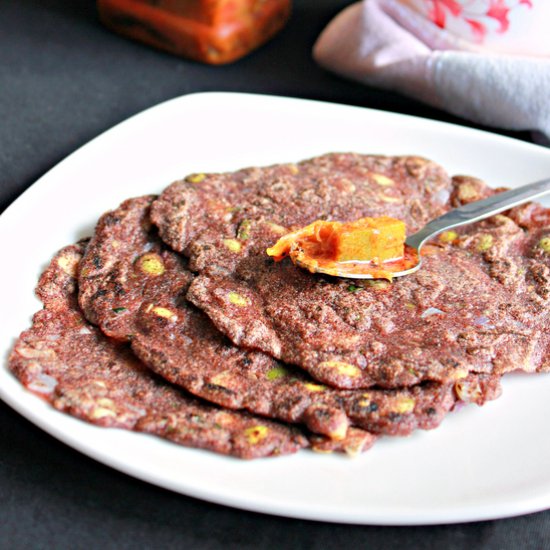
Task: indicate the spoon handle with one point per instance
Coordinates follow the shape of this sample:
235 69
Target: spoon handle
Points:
479 210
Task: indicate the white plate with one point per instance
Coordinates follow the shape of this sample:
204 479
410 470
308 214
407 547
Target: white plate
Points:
481 463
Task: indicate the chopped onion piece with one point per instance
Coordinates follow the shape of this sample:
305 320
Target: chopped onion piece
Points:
432 311
43 383
442 196
483 322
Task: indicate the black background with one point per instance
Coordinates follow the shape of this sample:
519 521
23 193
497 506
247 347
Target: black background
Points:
63 80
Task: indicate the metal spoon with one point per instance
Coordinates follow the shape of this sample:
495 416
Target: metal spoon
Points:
469 213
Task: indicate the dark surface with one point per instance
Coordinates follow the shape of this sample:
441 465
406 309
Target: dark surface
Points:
63 80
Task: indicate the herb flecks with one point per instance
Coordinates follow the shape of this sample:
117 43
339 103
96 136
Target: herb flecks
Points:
243 232
353 288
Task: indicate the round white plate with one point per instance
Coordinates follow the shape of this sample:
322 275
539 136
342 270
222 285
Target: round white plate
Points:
481 463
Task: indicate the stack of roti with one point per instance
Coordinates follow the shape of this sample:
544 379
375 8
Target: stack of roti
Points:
172 320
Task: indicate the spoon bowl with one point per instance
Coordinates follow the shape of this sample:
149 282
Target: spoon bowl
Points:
463 215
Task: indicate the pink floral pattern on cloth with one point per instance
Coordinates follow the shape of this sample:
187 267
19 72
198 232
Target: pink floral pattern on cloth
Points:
472 19
497 78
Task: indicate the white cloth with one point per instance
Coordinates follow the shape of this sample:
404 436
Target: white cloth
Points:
386 44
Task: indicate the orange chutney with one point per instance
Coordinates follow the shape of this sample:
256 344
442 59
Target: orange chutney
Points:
370 246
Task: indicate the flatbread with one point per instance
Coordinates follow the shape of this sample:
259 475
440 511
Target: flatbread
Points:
217 219
77 369
475 306
180 343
